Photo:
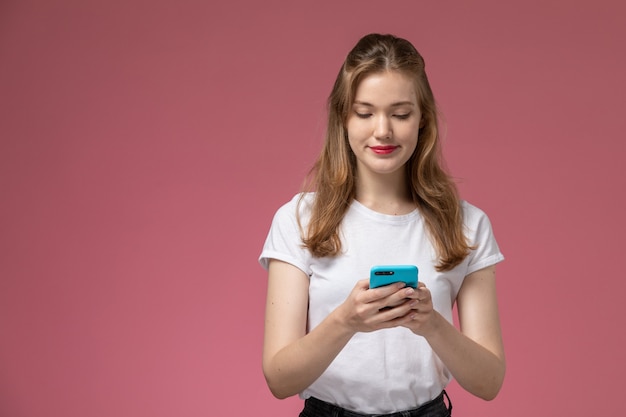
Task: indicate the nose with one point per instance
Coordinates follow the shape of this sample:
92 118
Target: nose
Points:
382 129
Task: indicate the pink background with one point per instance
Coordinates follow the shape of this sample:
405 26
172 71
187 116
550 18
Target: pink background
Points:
145 145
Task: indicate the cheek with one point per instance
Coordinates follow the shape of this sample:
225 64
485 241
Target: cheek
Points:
350 129
358 131
355 133
413 134
411 140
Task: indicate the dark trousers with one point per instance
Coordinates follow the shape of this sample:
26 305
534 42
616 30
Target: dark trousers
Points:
435 408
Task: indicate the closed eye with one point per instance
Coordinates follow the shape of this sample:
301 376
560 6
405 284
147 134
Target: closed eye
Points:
363 115
402 116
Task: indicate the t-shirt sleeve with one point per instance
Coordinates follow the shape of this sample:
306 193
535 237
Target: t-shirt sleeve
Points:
284 240
480 234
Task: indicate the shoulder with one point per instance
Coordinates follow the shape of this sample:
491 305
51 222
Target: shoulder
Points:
476 222
480 234
472 215
299 206
284 240
295 213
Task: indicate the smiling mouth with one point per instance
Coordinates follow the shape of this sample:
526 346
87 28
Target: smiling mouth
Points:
382 150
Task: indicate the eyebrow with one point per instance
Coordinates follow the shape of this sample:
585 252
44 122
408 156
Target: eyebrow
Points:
398 104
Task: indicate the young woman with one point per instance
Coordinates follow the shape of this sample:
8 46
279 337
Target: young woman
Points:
380 196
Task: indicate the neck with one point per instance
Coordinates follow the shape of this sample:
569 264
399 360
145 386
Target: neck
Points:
387 194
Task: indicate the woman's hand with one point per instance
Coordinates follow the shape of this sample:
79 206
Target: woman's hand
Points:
294 358
474 353
422 315
368 309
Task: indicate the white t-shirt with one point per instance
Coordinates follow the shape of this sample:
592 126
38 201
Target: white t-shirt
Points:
392 369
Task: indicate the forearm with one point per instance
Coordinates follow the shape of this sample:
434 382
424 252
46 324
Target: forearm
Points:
477 369
299 364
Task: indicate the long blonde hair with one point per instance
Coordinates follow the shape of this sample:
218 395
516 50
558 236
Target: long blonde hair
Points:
333 175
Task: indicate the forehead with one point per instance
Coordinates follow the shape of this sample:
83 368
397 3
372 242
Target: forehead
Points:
385 89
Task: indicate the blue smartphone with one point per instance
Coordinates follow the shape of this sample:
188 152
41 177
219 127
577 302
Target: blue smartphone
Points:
388 274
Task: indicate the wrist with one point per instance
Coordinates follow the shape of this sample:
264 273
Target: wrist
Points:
435 324
337 320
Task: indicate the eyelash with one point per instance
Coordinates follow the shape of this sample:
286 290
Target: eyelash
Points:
397 116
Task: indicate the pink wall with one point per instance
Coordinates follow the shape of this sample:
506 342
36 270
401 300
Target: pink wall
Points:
145 145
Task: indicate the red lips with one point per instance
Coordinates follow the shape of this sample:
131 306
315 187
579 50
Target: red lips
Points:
383 150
